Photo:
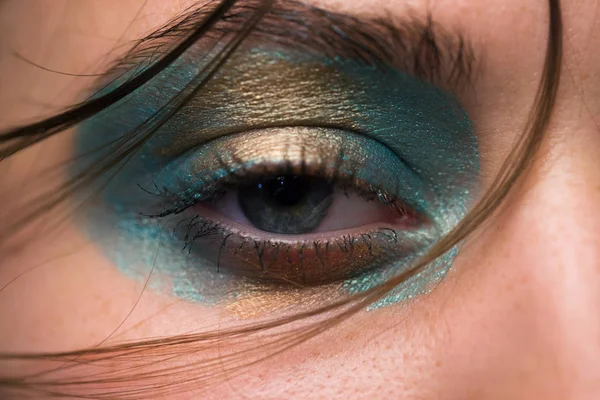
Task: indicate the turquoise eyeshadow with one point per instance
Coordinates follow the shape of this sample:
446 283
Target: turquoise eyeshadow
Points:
419 134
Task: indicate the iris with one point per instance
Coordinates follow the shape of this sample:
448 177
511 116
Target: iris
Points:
287 204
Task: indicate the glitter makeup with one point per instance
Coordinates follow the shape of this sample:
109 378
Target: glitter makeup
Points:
391 139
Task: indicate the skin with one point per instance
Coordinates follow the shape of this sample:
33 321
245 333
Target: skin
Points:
516 317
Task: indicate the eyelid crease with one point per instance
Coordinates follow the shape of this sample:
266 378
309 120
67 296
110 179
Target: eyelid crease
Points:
415 45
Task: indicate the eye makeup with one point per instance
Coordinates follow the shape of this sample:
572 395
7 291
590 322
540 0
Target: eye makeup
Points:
396 141
198 176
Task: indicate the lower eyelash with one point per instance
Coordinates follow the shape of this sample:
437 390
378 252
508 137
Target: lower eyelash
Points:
297 263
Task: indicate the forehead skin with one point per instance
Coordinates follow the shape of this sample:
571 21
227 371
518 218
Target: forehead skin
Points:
516 317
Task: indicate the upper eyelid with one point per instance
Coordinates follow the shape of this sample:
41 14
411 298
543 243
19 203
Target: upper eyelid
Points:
415 45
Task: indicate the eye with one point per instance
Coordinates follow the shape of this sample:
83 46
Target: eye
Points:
305 208
295 204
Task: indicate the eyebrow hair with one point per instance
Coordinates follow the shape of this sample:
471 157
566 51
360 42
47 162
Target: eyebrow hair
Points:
417 46
414 45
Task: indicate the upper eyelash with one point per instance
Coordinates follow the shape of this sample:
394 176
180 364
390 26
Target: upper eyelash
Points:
181 201
188 198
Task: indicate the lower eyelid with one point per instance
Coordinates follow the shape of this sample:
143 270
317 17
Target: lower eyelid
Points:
299 260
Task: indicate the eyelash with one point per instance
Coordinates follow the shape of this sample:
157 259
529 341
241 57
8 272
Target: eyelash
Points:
198 227
180 202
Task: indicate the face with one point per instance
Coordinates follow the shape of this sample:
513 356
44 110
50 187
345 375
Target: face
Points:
304 171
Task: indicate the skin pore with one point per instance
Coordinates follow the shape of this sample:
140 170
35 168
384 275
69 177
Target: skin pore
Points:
514 318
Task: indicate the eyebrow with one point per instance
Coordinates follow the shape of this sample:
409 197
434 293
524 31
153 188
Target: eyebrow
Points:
414 45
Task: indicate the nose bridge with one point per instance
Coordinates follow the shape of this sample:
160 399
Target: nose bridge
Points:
560 243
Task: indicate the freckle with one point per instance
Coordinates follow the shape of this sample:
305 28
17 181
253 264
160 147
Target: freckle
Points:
585 76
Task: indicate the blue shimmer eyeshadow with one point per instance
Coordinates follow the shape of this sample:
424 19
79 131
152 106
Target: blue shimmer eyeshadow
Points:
431 141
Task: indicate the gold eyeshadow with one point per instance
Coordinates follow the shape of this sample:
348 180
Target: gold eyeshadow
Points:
254 299
256 92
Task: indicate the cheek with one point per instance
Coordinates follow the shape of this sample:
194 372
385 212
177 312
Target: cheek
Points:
499 314
66 295
486 322
57 298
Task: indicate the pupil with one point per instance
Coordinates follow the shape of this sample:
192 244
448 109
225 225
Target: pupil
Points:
286 191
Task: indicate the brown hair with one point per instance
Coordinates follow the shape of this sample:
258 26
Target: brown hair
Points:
143 374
